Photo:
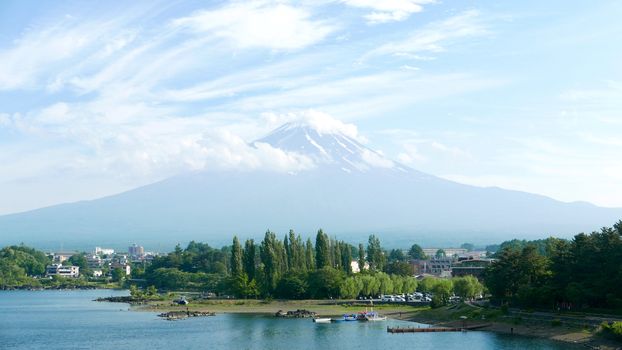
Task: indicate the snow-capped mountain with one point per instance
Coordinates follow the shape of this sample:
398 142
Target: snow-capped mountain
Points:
328 148
351 191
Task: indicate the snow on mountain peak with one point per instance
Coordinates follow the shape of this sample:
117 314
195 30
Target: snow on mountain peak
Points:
328 144
321 122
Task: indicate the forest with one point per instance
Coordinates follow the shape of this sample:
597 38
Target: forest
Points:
584 272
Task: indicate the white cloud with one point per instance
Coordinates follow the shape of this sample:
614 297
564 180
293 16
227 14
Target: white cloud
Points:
435 37
224 150
259 24
388 10
322 122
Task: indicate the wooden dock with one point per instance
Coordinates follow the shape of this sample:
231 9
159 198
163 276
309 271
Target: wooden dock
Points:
435 329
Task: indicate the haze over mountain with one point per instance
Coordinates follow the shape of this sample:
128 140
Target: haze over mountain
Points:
347 189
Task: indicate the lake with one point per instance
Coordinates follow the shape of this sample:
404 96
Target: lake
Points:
71 320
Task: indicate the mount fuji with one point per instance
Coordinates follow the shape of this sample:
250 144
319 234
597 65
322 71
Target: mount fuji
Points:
350 191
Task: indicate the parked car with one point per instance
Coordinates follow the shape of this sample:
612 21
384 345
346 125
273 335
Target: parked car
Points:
387 298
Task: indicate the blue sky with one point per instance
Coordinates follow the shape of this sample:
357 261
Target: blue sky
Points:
98 98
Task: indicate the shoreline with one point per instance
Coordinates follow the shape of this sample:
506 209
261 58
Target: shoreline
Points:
423 315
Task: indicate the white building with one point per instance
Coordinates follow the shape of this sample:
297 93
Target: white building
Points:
103 251
60 270
354 265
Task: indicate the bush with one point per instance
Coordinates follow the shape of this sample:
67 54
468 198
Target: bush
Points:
612 330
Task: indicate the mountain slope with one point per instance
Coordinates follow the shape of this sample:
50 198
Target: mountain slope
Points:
352 191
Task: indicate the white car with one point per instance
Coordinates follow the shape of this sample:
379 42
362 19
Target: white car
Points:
387 298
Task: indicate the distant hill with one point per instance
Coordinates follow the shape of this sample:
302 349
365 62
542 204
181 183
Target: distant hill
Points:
353 191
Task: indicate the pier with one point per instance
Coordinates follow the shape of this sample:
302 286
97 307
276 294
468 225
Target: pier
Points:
435 329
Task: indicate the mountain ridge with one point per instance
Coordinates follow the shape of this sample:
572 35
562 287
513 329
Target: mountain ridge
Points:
344 192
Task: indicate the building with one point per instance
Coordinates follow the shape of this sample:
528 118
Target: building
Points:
98 273
434 266
61 257
473 267
354 265
136 251
449 252
64 271
125 267
94 261
103 251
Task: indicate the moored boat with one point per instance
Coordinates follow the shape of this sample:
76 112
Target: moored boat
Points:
349 317
321 320
374 316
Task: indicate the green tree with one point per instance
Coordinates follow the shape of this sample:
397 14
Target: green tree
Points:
118 275
236 258
416 252
386 285
135 292
272 254
401 268
440 254
396 255
375 254
371 285
325 282
248 258
346 257
309 255
361 259
293 286
243 287
322 250
467 287
350 288
442 291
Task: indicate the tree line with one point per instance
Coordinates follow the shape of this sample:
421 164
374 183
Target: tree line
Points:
287 268
584 272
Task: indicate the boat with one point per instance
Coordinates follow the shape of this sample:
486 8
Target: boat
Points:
321 320
349 317
374 316
370 316
337 320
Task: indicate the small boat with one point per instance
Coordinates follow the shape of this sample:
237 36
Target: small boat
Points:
374 316
349 317
321 320
337 320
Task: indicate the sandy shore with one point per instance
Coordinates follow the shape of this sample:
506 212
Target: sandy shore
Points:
573 335
423 315
321 307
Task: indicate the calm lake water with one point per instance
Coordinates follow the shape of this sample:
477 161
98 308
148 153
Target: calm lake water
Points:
71 320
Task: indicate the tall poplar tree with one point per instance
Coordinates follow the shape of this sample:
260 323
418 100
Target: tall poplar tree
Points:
309 255
322 250
248 259
236 257
375 255
361 259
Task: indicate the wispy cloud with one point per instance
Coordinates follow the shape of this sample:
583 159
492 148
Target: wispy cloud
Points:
384 11
434 37
259 24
